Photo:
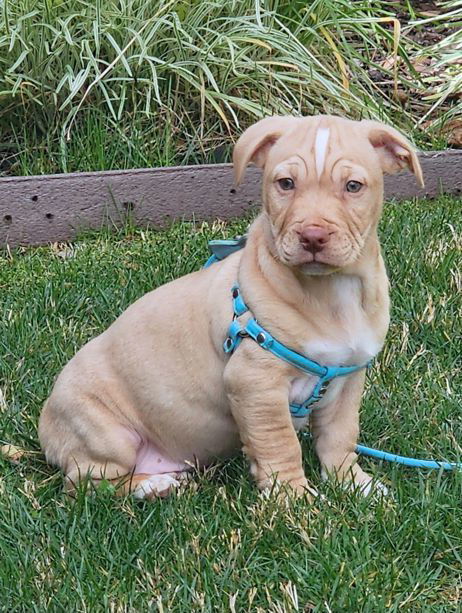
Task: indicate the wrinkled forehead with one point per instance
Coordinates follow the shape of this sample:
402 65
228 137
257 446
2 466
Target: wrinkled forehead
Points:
319 143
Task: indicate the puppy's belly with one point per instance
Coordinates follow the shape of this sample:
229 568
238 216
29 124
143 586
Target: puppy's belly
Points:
181 435
152 460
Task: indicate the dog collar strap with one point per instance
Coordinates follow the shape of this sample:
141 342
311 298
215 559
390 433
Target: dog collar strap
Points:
252 329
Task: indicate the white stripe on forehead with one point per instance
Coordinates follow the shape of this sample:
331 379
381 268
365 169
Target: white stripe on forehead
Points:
322 138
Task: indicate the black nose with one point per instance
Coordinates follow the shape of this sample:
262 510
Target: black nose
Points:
314 238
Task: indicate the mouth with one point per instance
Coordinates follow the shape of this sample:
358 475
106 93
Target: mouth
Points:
317 268
309 263
315 264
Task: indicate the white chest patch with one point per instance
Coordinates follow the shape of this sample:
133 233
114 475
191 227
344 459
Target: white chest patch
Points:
322 138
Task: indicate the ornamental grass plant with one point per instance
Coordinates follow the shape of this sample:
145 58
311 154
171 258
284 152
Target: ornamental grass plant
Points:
174 82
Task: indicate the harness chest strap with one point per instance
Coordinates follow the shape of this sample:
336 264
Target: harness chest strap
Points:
252 329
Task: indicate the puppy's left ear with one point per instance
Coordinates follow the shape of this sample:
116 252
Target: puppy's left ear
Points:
394 150
256 141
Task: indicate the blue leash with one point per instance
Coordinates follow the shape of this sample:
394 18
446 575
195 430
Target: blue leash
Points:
220 250
401 459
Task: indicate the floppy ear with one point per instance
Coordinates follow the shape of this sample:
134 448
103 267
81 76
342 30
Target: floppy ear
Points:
255 143
394 150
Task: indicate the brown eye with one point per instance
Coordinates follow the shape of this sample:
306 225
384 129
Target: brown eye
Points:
353 187
286 184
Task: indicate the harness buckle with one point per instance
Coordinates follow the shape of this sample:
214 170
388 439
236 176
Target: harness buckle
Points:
318 394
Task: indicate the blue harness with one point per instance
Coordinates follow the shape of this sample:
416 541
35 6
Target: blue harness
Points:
236 332
252 329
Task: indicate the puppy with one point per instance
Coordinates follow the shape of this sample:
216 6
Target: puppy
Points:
156 393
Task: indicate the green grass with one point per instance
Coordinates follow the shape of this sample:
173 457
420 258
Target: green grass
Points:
218 545
131 72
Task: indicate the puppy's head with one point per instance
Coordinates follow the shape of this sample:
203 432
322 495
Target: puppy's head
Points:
322 184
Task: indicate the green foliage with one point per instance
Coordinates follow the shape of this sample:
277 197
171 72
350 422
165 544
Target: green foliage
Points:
201 71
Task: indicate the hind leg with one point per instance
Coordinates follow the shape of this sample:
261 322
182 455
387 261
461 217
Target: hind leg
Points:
90 442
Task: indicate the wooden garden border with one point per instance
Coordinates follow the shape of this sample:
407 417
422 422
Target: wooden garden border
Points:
50 208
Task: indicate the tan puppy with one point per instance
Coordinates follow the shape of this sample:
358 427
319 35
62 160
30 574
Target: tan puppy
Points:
155 393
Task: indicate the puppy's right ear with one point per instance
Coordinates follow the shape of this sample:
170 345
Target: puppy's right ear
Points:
255 143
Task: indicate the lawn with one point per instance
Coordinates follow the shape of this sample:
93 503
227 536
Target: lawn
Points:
218 545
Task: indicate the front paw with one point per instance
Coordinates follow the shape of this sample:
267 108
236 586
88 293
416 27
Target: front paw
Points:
370 486
358 480
288 488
